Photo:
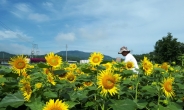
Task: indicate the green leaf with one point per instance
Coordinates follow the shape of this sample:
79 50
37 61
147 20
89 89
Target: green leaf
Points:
126 104
180 86
14 100
50 94
43 65
88 104
127 81
5 70
149 89
141 105
35 104
71 103
2 108
174 106
59 72
79 95
2 80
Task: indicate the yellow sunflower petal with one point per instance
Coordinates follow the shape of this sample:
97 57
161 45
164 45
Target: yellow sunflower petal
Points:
108 82
96 58
57 105
53 60
167 87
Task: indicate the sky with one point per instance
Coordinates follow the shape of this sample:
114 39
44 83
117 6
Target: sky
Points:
103 26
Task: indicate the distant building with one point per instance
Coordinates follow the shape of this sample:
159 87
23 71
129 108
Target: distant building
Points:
72 61
84 61
118 59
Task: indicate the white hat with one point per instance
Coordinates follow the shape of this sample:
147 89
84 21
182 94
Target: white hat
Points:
123 49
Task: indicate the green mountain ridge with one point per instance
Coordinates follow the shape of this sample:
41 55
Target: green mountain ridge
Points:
74 55
80 54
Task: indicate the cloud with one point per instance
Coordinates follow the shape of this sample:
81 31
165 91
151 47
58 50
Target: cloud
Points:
38 17
95 25
62 37
11 36
23 7
15 48
25 11
92 34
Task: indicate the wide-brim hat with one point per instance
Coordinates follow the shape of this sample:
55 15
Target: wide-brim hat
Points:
122 49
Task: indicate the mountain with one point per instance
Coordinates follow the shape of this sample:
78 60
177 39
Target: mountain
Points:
5 55
73 55
80 55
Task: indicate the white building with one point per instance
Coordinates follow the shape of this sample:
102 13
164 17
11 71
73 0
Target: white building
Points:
84 61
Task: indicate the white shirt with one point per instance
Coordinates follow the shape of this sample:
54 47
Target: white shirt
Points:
130 57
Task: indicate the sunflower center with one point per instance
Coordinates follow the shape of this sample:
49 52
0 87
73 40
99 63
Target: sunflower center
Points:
108 83
96 59
168 87
70 77
53 62
88 83
50 78
20 65
28 88
129 65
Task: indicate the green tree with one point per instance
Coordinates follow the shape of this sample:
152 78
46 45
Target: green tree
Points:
168 49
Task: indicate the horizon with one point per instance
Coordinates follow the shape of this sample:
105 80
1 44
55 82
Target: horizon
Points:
69 51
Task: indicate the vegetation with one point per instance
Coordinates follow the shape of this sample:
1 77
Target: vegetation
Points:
168 49
92 86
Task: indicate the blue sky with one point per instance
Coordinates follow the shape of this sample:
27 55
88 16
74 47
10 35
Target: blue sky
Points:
88 25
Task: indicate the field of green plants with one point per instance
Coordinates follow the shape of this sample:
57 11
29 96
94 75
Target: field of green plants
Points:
58 85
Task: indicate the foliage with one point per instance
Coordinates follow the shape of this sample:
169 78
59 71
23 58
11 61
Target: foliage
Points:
167 49
135 91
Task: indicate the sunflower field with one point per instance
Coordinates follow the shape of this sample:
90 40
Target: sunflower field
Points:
58 85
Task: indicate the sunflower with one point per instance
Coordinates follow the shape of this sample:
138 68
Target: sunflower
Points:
19 64
2 80
87 83
46 70
165 66
53 60
24 74
50 79
62 76
57 105
96 58
38 85
79 71
108 82
133 77
73 66
167 87
108 65
147 66
25 87
71 76
129 65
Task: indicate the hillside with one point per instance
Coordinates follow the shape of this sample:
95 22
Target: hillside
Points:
71 55
5 55
80 55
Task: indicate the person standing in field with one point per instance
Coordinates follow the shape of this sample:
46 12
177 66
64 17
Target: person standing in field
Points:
129 57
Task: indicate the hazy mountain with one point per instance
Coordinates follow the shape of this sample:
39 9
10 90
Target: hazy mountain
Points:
71 55
5 55
80 54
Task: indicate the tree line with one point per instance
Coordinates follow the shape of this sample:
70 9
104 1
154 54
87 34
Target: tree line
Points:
167 49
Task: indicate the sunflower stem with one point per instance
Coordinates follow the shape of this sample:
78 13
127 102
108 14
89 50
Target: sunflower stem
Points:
102 107
158 102
136 88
